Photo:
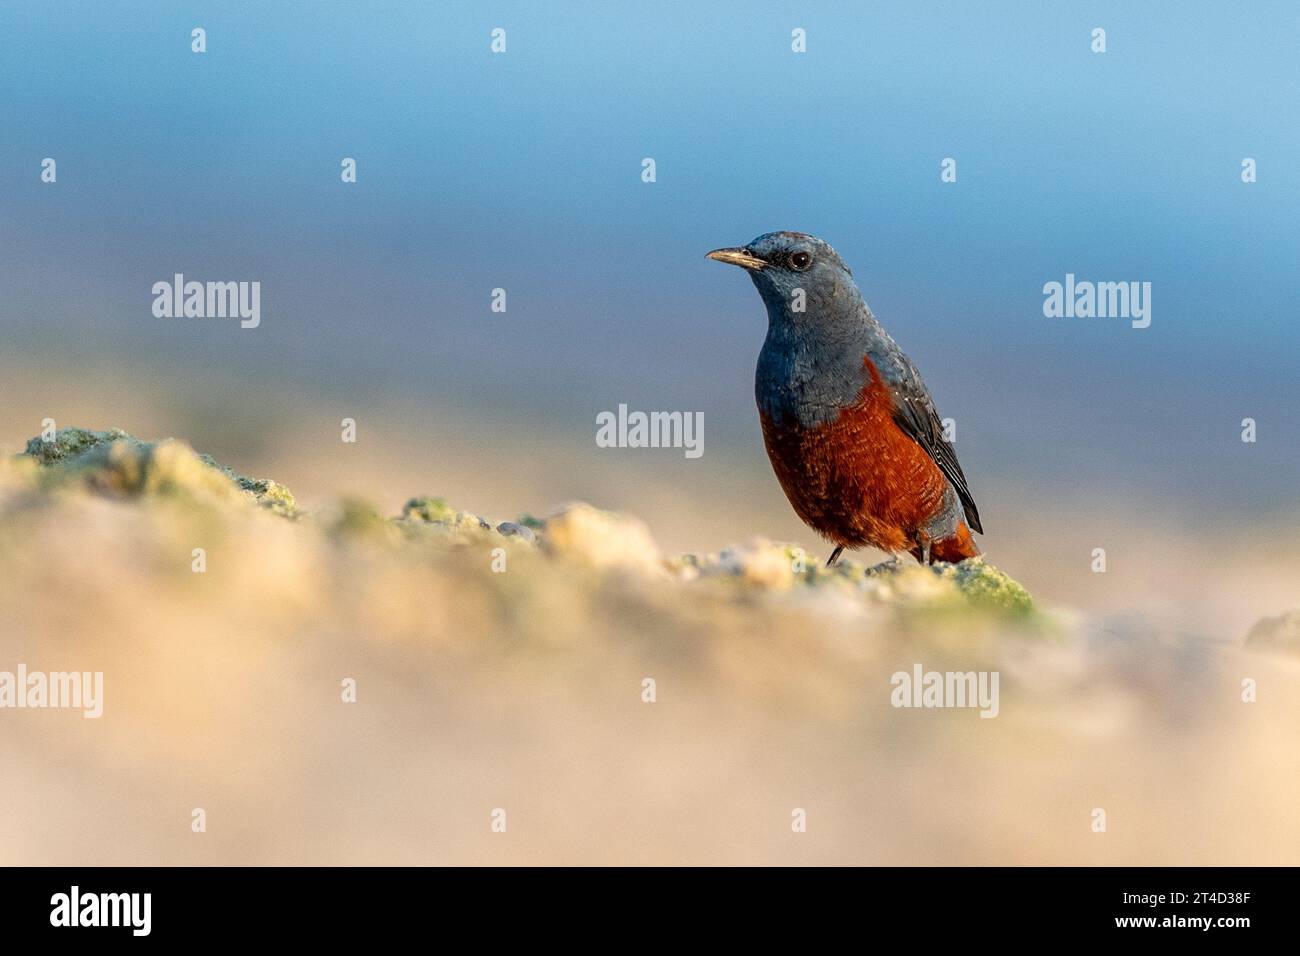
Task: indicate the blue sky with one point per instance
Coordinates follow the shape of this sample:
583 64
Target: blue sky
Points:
522 171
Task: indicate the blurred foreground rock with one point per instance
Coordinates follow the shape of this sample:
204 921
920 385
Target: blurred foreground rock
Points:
345 686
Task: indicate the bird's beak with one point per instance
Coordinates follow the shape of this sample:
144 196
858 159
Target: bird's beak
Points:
737 257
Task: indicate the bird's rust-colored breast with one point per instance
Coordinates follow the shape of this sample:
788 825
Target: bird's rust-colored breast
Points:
857 480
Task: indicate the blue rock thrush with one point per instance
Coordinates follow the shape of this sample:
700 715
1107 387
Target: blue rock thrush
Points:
850 428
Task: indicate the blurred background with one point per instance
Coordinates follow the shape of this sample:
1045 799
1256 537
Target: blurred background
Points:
522 171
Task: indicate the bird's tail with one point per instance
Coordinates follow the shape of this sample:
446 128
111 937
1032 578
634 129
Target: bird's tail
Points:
958 546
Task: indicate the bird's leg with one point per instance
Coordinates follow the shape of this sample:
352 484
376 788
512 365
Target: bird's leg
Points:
924 540
835 556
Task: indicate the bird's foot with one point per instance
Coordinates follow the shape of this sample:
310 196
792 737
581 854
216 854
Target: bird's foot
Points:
835 556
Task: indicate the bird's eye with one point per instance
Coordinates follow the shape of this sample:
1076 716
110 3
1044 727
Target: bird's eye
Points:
800 261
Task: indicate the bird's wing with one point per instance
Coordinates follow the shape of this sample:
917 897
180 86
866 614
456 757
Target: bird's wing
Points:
915 414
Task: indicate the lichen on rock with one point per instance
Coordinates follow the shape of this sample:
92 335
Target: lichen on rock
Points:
979 582
428 508
117 463
774 566
436 511
72 442
268 493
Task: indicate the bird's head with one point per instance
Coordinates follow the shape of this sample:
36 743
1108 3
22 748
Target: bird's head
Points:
783 264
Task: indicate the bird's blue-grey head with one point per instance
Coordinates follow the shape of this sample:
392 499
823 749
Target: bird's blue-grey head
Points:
800 277
818 331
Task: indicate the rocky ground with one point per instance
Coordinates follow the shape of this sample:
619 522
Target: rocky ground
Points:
619 704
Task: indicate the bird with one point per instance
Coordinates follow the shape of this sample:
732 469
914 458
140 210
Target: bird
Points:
850 428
